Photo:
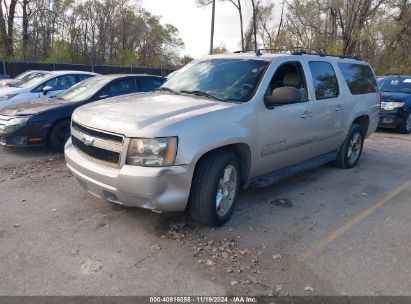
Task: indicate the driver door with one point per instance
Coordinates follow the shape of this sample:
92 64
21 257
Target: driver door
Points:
287 132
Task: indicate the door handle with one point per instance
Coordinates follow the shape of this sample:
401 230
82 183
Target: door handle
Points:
307 114
339 108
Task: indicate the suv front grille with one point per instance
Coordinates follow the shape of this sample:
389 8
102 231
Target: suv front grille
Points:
98 145
97 153
98 134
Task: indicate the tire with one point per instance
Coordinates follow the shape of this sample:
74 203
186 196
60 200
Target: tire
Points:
59 135
405 125
209 187
350 152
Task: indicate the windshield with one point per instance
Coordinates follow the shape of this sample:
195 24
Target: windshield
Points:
28 75
224 79
85 89
395 84
33 81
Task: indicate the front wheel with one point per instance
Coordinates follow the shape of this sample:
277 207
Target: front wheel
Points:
214 190
405 126
350 152
59 135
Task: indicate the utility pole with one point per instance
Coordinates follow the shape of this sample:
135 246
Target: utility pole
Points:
212 29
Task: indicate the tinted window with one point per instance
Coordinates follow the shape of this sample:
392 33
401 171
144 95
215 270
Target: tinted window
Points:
81 77
324 79
228 79
120 87
360 78
150 84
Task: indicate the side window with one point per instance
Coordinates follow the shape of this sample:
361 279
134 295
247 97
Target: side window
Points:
360 78
82 77
324 79
150 84
289 74
120 87
60 83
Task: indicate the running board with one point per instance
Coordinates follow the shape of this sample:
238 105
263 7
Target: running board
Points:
278 175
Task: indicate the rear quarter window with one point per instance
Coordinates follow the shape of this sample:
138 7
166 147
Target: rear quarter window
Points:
360 78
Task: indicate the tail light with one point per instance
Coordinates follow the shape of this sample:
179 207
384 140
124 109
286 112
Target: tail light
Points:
8 84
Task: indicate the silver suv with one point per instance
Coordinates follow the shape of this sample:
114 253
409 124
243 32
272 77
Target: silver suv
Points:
220 124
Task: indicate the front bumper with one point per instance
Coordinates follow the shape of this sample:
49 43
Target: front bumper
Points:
30 135
157 189
392 118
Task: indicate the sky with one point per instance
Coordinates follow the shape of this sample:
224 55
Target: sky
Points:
194 23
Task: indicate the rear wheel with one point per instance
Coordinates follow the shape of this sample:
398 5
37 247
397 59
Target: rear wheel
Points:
59 135
215 187
405 126
350 152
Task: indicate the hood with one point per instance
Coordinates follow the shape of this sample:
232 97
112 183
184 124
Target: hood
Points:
11 90
33 107
394 96
130 115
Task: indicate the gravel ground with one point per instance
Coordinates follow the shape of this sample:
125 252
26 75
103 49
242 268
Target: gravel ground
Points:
325 232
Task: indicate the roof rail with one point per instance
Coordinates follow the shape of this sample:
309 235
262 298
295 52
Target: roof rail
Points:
296 51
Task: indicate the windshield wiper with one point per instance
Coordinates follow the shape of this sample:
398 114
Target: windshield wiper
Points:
202 93
167 90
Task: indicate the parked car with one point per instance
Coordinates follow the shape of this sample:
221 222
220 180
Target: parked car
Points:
220 124
48 84
21 77
47 121
396 102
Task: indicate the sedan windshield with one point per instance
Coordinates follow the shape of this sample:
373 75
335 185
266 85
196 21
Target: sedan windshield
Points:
395 84
33 81
85 89
220 79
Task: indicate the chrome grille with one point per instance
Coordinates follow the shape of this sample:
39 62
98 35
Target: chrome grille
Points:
98 134
4 120
98 145
97 153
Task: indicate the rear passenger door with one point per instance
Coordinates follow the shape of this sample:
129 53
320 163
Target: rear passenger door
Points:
331 106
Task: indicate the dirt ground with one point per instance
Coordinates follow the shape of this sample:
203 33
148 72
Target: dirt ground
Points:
326 232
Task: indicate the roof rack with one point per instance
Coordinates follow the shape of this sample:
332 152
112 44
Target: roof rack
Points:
297 51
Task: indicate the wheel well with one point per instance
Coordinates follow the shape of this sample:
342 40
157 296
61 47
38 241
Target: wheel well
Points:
363 121
243 153
53 124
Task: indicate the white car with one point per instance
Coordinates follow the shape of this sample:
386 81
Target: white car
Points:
48 84
21 77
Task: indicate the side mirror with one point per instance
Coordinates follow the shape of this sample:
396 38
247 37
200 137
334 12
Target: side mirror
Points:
47 89
282 96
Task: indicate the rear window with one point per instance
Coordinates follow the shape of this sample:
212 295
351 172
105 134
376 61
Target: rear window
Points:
325 81
360 78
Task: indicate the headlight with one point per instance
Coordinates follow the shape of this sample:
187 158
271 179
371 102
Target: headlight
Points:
5 97
15 124
392 105
156 152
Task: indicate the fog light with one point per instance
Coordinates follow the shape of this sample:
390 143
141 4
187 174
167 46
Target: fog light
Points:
35 139
388 120
21 141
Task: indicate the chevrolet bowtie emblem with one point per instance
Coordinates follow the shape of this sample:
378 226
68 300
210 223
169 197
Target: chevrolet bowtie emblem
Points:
88 140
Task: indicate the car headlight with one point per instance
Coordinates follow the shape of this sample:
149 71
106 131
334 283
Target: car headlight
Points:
392 105
5 97
155 152
15 124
